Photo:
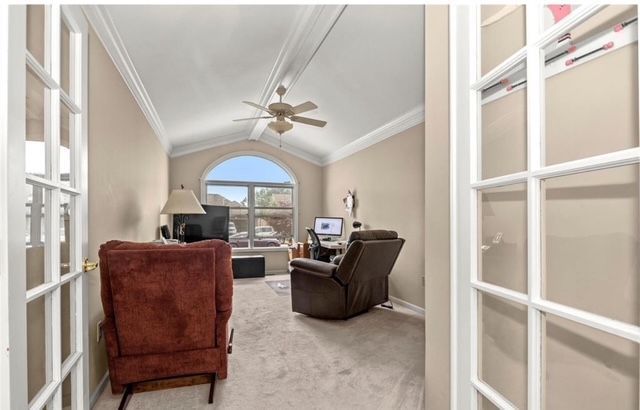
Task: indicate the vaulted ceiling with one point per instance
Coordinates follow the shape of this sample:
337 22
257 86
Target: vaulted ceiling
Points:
191 67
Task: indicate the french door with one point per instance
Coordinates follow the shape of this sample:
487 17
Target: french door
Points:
43 210
546 188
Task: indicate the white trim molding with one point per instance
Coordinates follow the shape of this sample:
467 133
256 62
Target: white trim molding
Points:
314 23
102 384
401 123
106 30
414 308
405 121
190 148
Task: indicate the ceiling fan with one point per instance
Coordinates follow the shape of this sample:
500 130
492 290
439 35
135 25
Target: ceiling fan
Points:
282 112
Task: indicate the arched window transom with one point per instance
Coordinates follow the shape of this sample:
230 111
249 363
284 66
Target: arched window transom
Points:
261 196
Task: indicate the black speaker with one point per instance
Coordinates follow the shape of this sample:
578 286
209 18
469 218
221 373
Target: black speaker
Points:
164 231
248 266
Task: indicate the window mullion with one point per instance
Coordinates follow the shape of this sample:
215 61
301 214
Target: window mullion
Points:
252 214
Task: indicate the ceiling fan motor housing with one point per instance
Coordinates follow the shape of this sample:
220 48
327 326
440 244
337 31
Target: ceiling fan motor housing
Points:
280 108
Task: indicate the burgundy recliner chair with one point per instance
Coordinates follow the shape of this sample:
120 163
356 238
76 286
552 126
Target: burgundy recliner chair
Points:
166 311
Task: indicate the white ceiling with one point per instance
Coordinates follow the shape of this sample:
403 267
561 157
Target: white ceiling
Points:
197 63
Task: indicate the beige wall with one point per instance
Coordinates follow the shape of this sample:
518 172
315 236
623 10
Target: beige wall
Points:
128 178
436 239
388 181
188 169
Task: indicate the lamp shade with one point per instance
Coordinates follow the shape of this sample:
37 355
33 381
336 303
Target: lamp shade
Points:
182 201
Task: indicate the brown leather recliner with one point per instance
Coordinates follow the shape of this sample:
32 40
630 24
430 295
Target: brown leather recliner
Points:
166 310
352 285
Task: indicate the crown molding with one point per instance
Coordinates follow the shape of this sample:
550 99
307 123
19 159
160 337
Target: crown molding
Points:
102 23
405 121
300 153
185 149
314 23
181 150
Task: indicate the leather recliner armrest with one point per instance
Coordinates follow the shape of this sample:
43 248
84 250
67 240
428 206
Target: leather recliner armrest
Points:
314 267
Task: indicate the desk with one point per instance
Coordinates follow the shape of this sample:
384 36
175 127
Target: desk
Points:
337 246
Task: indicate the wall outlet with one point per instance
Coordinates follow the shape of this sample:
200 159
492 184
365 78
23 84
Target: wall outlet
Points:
423 281
99 331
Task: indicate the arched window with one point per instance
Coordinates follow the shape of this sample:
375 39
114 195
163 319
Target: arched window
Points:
261 196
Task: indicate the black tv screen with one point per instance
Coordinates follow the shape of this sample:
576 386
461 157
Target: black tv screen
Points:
212 225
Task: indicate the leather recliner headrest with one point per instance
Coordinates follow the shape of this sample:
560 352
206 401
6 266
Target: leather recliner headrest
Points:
372 235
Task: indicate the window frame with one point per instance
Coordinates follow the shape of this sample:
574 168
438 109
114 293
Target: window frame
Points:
251 185
466 182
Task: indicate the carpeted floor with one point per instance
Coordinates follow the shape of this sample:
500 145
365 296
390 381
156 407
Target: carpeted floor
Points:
284 360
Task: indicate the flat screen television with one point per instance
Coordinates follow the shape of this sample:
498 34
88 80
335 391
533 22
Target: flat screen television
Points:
212 225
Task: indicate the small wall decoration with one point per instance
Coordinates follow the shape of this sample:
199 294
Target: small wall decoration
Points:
349 202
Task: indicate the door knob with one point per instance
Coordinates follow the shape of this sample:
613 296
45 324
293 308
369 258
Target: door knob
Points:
89 266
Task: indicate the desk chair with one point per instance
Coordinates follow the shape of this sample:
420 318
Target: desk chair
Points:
316 251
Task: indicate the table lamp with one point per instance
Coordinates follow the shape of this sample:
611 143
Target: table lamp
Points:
182 202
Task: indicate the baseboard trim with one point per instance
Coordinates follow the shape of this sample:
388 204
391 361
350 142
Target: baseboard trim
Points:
99 389
410 306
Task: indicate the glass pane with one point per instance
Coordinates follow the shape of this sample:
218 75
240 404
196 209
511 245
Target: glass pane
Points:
274 197
239 228
502 33
35 32
591 239
502 347
38 361
65 56
35 235
66 144
67 323
273 227
36 159
586 114
67 392
66 211
504 125
485 404
588 369
503 237
249 168
233 196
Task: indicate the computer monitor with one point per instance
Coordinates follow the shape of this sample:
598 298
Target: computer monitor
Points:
328 226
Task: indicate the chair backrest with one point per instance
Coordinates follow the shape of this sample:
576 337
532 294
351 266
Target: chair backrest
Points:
314 249
165 298
371 254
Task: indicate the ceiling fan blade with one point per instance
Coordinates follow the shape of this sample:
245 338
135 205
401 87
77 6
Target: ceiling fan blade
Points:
260 107
304 107
252 118
309 121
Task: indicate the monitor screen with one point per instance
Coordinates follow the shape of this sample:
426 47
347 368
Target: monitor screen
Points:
328 226
212 225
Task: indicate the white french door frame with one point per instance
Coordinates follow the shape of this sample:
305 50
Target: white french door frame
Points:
14 297
466 85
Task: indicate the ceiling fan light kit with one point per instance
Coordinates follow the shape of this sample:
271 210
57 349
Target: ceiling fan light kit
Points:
280 126
282 112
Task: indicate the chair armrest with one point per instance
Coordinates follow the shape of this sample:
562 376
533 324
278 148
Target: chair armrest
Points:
314 267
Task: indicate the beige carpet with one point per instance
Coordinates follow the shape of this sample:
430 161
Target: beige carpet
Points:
284 360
